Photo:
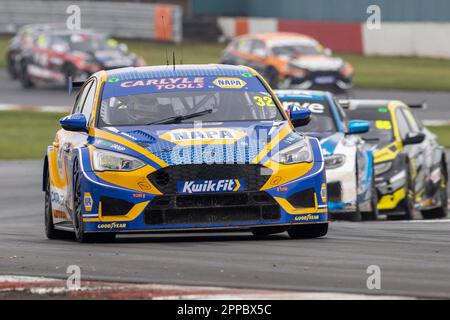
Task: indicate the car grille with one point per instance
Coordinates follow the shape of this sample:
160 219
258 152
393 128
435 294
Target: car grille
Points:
212 208
166 179
334 192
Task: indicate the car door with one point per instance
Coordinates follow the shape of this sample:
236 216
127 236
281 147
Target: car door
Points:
423 151
258 56
67 141
414 151
240 52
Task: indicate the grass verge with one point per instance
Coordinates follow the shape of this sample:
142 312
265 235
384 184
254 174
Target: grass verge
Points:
443 134
26 134
370 72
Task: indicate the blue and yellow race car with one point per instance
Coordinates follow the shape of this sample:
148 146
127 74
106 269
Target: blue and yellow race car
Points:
196 147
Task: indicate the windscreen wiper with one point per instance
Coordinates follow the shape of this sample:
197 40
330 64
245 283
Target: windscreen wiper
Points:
177 119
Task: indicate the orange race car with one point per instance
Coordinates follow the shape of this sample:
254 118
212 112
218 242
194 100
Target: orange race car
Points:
290 60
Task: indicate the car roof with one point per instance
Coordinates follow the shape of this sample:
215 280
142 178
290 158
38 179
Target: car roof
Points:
185 70
270 36
301 94
369 103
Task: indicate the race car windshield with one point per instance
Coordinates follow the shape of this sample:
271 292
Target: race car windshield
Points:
321 118
380 132
295 49
142 109
85 43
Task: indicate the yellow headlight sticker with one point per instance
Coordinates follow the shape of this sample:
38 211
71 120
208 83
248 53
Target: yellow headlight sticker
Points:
186 137
383 125
229 83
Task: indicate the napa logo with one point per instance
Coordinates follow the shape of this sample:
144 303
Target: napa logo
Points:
207 186
203 136
229 83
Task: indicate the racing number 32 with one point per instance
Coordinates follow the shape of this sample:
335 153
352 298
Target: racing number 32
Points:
264 101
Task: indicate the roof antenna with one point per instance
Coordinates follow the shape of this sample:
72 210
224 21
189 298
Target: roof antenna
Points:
181 60
173 60
164 35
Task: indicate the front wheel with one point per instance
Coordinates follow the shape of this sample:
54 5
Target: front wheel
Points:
272 77
25 78
307 231
80 234
373 214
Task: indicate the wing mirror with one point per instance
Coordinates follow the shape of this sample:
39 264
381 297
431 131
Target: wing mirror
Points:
413 138
74 122
358 126
300 116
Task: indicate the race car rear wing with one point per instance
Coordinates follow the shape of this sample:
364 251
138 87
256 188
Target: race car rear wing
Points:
423 105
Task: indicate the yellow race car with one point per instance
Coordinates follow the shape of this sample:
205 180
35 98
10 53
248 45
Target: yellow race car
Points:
410 166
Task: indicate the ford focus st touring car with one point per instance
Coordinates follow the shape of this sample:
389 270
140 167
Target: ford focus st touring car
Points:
196 147
348 159
410 165
290 60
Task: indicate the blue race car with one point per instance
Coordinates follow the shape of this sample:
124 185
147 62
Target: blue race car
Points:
348 160
196 147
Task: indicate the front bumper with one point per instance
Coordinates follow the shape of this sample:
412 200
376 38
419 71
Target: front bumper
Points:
391 190
330 80
341 187
116 209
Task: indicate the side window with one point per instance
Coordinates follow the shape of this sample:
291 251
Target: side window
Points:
341 113
89 101
402 123
79 102
411 120
259 49
244 45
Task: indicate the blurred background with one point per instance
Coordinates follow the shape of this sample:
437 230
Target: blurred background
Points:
396 49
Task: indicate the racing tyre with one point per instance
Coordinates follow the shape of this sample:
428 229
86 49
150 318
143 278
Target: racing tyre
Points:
373 214
11 67
50 230
78 224
25 78
442 211
308 231
266 231
272 77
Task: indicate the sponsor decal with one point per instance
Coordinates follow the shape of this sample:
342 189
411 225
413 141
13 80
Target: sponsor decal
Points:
58 214
144 185
247 75
139 195
307 217
229 83
87 200
207 186
323 192
282 189
167 83
313 107
203 136
113 80
111 225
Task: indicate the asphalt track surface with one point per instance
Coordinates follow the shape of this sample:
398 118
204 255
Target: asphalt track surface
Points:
414 257
12 93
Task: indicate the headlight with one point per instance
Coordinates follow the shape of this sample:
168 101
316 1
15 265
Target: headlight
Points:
334 161
113 161
299 152
382 167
